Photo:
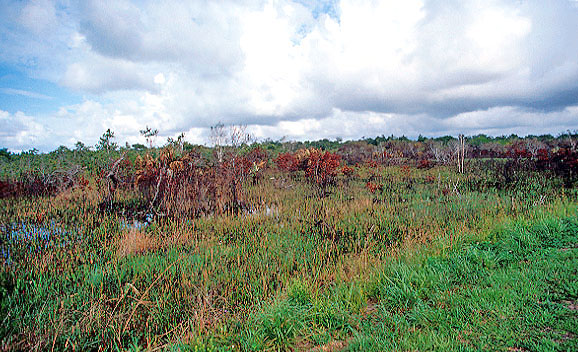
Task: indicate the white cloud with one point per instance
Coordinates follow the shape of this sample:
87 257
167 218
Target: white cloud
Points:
97 74
25 93
354 125
286 67
20 131
39 16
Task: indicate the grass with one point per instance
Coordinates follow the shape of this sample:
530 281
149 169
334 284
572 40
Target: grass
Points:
430 263
509 292
515 290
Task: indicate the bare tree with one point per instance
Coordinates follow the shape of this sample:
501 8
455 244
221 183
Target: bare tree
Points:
533 145
228 136
440 152
239 136
219 139
178 143
150 135
459 150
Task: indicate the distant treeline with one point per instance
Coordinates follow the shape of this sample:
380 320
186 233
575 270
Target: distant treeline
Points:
233 151
480 141
439 150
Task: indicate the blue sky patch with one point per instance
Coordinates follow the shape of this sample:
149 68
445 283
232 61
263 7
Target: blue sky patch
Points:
18 92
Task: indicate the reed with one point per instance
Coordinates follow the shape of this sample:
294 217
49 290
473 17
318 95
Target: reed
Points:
174 257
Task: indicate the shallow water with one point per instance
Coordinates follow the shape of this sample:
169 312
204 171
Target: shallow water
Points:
267 211
35 237
126 224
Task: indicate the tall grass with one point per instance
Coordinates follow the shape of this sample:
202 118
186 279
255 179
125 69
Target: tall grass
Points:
292 270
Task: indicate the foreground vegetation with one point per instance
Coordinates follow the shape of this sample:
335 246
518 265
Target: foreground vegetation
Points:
247 248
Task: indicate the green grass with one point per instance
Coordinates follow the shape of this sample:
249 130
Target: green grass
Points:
411 268
510 292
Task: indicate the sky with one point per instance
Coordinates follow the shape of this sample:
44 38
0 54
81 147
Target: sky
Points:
298 70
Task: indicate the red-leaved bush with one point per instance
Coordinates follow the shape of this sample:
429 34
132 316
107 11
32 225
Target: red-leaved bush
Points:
563 162
373 187
287 162
347 171
322 168
37 183
424 164
189 186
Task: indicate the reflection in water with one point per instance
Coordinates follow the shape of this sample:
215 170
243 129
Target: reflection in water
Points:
34 237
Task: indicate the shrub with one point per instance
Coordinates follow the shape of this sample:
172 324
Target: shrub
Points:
189 186
286 162
373 187
563 162
347 171
38 183
322 168
424 164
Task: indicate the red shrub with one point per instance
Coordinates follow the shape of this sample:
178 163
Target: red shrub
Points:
372 164
7 189
424 164
429 179
406 170
373 187
543 154
518 150
83 182
322 168
287 162
347 171
257 155
38 183
187 186
563 163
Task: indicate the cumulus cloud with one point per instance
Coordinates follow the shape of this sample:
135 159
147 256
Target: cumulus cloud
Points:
39 16
20 131
101 74
331 68
204 36
354 125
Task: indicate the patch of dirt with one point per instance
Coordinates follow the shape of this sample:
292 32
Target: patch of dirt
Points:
565 337
572 305
331 346
566 249
370 309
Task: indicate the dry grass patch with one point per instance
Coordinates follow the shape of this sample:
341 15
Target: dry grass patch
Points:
134 242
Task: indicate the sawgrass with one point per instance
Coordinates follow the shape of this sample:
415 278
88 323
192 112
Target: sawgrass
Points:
435 261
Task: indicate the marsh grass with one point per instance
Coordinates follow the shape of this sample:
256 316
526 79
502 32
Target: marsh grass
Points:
432 261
